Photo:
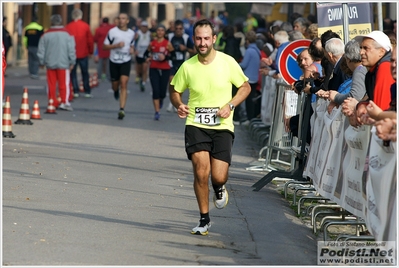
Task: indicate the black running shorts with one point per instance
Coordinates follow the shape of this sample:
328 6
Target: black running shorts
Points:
140 60
119 69
218 143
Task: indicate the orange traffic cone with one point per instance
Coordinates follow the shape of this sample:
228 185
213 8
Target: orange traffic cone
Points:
7 124
36 111
24 114
50 107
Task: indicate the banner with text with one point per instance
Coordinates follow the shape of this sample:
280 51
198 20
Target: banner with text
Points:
360 19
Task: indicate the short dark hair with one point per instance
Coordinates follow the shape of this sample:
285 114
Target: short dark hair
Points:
178 22
327 35
202 23
315 52
105 20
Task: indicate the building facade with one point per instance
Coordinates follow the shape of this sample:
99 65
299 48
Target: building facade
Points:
20 14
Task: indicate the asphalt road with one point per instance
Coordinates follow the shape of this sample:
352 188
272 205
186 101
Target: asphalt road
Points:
84 188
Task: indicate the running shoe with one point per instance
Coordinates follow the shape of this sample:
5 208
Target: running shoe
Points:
201 228
221 198
121 114
142 87
116 94
88 95
137 80
157 116
76 95
65 107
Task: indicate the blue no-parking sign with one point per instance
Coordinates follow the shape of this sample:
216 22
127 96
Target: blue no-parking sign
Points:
288 66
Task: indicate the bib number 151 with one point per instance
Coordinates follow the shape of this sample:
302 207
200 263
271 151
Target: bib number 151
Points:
207 116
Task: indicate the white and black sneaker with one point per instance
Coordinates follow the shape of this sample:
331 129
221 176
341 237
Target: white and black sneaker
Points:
201 228
221 198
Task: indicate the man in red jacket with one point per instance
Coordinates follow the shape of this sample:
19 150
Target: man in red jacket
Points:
80 30
102 55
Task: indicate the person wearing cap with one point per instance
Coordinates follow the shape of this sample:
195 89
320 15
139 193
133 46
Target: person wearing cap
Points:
120 42
375 49
56 51
142 40
102 55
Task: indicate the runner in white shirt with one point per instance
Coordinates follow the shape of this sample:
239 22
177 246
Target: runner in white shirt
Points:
120 41
142 41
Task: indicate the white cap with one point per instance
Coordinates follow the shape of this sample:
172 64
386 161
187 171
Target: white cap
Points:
380 37
144 23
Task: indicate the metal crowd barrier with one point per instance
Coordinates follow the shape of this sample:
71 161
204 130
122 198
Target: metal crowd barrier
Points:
278 152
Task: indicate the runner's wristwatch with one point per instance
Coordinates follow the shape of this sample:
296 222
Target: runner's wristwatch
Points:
231 106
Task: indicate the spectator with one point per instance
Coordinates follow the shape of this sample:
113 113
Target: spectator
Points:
312 31
286 26
7 40
56 51
250 24
295 35
385 121
33 32
326 63
293 17
231 44
312 19
188 23
153 28
3 71
387 24
102 57
375 49
215 20
224 17
335 49
353 60
80 30
250 65
281 39
171 28
239 33
301 25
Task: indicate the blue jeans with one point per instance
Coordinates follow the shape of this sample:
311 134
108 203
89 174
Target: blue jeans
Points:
84 69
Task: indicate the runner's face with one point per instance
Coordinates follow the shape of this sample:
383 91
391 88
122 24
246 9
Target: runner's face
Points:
204 40
123 20
179 30
160 32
